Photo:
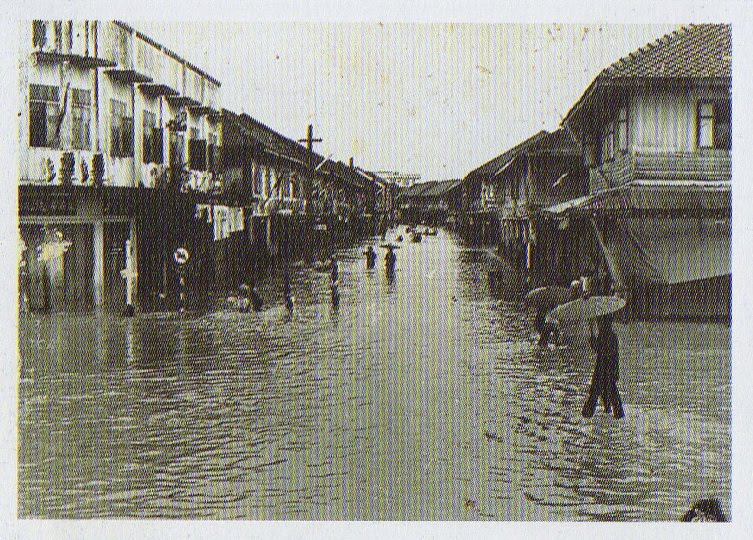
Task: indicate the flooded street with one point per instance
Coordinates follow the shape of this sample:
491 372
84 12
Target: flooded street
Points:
419 397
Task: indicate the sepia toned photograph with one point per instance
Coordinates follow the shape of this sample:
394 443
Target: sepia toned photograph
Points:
373 271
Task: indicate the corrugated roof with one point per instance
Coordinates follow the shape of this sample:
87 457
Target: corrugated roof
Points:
697 51
432 188
559 142
280 146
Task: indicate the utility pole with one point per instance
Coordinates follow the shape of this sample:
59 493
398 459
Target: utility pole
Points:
310 140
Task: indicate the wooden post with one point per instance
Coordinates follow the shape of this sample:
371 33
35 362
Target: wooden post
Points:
310 140
98 241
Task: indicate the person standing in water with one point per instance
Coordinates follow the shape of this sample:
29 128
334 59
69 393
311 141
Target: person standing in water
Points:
335 271
389 260
606 372
286 296
370 257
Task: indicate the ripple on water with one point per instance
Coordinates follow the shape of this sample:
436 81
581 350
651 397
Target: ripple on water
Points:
421 398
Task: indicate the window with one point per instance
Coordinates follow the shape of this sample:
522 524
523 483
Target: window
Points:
44 103
121 130
715 124
151 139
58 35
705 125
176 149
81 118
39 35
197 152
258 175
622 130
212 152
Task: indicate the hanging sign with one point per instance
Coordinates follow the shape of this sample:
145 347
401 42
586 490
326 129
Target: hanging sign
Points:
181 256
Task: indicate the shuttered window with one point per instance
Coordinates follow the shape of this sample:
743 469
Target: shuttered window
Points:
622 130
121 130
706 125
715 124
44 109
81 119
723 125
151 139
608 142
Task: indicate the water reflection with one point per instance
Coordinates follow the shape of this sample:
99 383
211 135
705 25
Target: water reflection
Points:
421 395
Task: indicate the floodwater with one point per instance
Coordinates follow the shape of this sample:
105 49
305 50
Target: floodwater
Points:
418 397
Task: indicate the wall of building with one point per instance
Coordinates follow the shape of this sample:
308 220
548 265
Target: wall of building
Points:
117 44
667 121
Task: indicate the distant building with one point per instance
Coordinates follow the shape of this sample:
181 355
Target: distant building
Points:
433 202
403 180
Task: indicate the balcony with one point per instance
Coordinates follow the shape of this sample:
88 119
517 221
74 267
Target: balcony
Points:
708 165
80 61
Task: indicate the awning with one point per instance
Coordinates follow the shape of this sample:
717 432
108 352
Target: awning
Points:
648 197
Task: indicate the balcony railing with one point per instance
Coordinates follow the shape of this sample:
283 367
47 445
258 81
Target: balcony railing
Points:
707 165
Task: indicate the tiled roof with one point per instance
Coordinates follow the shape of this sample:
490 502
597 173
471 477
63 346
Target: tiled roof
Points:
492 166
697 51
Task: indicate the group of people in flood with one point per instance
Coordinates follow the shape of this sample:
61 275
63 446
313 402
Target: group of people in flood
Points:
249 300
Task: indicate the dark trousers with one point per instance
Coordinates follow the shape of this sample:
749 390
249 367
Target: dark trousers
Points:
545 330
603 386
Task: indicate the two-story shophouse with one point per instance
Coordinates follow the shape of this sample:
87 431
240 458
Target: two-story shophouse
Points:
117 141
655 127
542 170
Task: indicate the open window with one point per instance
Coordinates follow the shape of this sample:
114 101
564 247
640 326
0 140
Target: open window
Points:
715 124
151 139
44 111
121 130
81 119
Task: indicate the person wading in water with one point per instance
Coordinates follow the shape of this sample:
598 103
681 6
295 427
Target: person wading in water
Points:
606 372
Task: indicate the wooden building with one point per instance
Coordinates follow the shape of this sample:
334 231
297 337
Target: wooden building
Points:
545 169
655 128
